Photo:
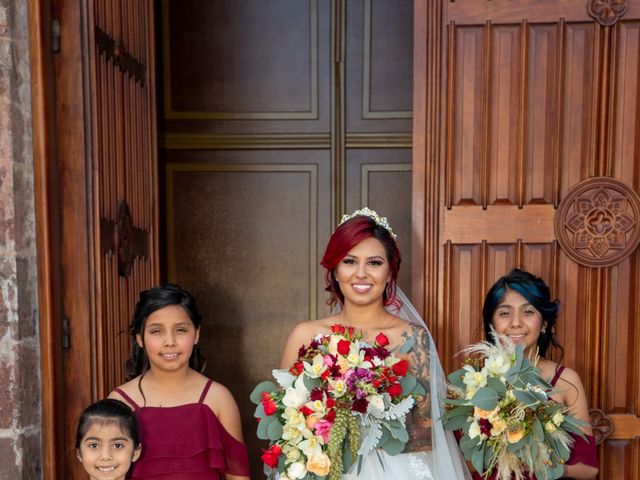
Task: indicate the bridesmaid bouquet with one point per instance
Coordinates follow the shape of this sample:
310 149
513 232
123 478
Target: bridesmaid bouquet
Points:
502 408
341 399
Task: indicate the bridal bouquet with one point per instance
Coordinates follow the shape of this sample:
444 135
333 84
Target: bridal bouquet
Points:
341 399
502 408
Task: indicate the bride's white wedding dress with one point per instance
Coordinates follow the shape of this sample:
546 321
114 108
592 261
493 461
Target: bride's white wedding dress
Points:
441 459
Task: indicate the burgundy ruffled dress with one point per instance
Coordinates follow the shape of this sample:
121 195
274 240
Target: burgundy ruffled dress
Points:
186 442
582 451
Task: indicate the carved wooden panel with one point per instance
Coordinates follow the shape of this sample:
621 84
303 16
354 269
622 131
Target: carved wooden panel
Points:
124 184
520 103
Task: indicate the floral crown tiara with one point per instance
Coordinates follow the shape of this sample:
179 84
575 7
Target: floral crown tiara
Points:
367 212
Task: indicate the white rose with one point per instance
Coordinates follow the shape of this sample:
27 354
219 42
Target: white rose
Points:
498 365
311 446
295 397
376 405
474 430
316 368
550 427
292 453
558 418
296 470
473 379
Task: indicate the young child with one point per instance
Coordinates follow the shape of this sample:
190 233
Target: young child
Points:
189 425
107 440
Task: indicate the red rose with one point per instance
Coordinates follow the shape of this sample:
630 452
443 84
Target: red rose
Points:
330 402
343 347
330 416
360 405
306 411
337 328
394 390
269 407
297 368
400 368
270 457
382 340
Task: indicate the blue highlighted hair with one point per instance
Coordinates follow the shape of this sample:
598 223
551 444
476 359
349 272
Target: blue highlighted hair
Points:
537 293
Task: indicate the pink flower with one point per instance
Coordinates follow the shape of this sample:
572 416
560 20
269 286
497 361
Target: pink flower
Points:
323 428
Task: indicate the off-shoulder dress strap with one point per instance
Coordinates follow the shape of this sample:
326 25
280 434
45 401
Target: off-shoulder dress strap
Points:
127 398
556 377
205 391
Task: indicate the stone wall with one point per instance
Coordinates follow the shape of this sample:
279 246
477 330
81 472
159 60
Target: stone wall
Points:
20 419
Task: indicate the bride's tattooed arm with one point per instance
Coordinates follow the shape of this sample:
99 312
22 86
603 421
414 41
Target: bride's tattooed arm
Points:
419 424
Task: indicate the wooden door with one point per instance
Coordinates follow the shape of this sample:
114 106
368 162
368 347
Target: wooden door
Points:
108 201
526 154
278 117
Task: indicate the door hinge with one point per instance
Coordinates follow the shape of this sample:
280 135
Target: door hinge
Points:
66 333
55 35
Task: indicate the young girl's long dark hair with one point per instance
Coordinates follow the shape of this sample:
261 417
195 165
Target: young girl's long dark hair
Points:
151 301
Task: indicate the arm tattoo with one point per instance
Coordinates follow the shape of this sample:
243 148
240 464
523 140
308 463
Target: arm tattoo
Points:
419 424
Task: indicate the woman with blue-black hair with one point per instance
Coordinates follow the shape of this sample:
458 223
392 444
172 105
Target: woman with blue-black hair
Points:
519 305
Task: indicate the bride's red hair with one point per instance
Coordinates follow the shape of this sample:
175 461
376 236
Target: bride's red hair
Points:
347 236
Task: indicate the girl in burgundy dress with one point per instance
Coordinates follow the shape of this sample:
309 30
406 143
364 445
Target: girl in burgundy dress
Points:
189 425
519 305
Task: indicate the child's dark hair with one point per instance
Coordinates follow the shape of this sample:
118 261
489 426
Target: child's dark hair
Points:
108 411
151 301
537 293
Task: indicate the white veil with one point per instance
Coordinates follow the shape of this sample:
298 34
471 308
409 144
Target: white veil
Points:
448 462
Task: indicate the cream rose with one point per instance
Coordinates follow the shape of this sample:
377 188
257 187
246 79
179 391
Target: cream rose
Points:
319 464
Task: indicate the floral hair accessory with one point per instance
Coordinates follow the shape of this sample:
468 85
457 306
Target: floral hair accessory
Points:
367 212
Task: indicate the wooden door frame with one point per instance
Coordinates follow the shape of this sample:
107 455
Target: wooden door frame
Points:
64 263
427 20
43 111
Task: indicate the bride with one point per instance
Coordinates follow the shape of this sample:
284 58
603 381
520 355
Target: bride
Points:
362 262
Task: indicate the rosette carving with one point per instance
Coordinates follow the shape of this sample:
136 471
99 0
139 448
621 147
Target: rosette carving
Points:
598 223
607 12
601 423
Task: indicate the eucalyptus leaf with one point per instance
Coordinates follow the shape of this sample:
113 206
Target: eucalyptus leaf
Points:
554 472
393 446
311 383
408 384
486 398
456 377
259 412
477 459
527 398
398 431
419 389
538 430
497 385
266 386
274 431
263 426
467 445
456 423
457 401
459 411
